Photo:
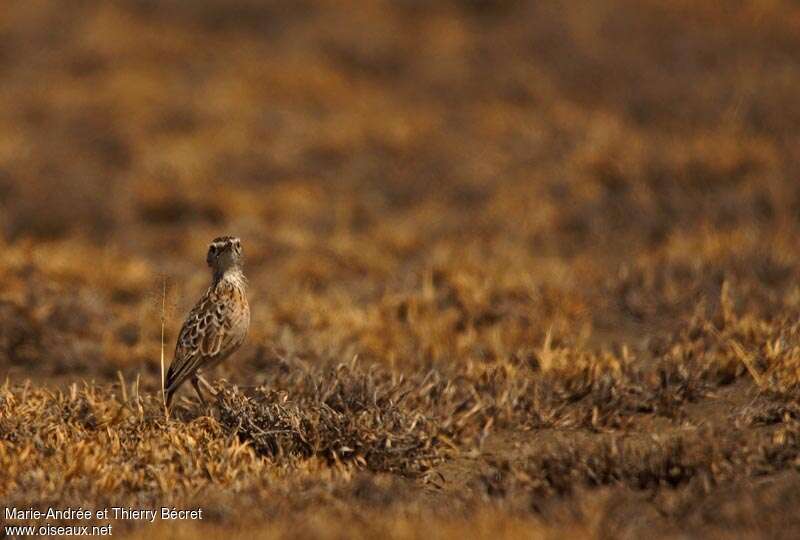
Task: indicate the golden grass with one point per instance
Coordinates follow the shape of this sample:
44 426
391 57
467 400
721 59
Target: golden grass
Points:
516 269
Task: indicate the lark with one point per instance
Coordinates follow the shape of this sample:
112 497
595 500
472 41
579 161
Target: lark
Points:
216 327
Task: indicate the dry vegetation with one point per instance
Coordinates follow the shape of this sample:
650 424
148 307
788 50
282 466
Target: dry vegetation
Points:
517 268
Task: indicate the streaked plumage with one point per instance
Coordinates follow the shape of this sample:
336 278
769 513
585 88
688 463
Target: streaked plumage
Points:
216 327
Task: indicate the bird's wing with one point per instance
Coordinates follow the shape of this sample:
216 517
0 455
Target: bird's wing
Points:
203 336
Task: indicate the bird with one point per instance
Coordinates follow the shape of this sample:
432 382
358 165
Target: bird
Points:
217 325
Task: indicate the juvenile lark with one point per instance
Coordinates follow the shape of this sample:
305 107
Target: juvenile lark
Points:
217 325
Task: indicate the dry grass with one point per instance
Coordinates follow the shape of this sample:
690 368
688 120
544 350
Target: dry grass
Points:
516 268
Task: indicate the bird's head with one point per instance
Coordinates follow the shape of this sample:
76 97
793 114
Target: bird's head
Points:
224 253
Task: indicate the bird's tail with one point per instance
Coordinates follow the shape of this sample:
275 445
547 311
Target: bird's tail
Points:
171 385
170 392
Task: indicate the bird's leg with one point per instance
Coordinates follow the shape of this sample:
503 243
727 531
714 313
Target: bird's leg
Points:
197 389
206 385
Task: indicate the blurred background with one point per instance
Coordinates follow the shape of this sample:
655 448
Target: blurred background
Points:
526 163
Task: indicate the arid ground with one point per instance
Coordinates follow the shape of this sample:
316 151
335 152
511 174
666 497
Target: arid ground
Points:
517 269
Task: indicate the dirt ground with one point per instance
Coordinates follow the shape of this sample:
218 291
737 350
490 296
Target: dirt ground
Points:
516 269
